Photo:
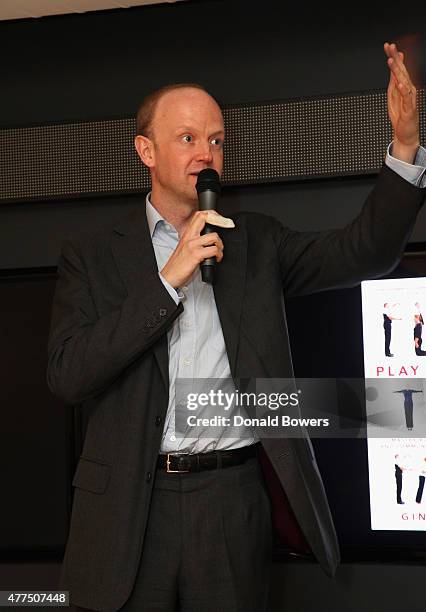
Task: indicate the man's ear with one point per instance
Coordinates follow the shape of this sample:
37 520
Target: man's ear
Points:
145 149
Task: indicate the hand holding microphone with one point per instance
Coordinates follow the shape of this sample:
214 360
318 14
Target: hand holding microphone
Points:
199 242
191 250
208 189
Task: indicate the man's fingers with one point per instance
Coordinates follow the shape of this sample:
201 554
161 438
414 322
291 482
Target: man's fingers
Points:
400 72
196 224
393 84
390 49
212 238
205 242
206 239
396 64
406 92
393 89
210 251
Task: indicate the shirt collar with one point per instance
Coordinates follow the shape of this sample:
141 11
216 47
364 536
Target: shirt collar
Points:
152 215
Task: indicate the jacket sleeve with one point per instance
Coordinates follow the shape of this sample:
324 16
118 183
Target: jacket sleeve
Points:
370 246
86 353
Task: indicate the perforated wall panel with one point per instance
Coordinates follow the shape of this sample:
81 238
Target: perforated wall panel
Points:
278 141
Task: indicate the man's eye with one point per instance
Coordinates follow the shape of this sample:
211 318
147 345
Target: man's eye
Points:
217 141
187 138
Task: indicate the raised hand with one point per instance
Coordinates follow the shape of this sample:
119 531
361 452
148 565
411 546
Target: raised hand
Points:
402 106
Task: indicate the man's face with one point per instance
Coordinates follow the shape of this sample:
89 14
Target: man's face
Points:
187 136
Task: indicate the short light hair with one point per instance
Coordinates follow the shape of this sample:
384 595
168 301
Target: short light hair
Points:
146 110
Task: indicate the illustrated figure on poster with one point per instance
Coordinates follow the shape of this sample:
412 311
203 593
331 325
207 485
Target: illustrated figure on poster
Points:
418 335
388 317
399 469
408 405
421 483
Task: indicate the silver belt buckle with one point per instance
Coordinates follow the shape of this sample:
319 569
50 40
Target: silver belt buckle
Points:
168 462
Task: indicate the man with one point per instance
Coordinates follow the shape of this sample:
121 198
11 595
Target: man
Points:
399 469
159 518
421 486
388 317
408 406
418 336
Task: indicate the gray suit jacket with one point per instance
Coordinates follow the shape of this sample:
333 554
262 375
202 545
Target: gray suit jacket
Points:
107 352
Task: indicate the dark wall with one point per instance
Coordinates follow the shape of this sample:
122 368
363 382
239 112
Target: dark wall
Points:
100 65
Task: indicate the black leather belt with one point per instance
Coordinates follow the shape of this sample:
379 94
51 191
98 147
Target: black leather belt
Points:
187 462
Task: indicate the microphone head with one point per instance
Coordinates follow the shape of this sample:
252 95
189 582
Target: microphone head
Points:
208 180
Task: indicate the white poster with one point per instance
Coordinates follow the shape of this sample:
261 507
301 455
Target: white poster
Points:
395 369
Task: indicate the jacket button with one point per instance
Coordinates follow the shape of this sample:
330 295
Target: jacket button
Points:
157 420
162 312
148 477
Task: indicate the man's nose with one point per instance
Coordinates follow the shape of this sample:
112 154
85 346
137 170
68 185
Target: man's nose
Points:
204 152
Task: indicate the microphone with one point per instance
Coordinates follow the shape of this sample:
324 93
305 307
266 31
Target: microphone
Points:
208 189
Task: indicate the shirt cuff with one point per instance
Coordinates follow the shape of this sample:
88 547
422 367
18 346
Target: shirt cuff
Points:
176 295
413 173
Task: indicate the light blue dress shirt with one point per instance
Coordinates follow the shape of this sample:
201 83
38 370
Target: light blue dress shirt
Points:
195 341
413 173
196 351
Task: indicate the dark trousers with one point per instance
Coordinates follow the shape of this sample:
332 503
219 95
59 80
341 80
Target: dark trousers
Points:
208 544
388 333
398 478
420 489
408 409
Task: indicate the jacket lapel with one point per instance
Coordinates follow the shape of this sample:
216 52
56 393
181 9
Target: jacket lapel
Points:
134 255
230 276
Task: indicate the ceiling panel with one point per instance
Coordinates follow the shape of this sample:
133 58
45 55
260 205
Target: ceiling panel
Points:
24 9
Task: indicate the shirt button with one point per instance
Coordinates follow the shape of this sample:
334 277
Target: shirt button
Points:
184 288
187 361
187 323
157 420
148 477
